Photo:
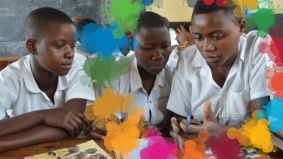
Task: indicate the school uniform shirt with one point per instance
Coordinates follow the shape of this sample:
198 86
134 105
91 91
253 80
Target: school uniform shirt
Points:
193 84
157 100
86 54
173 43
20 94
175 53
173 35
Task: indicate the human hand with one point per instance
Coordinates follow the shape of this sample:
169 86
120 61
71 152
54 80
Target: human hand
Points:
64 118
178 134
150 130
77 18
98 130
183 35
183 131
147 128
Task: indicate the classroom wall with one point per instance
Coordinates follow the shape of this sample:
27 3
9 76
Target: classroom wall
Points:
173 10
13 14
277 3
178 10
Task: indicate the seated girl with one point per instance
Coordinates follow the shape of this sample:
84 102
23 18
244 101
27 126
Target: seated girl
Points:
150 76
224 66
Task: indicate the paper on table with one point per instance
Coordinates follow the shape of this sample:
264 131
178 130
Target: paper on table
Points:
88 149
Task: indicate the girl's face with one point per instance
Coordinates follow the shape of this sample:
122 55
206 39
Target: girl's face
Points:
154 49
217 37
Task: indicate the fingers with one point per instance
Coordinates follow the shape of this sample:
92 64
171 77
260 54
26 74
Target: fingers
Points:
115 119
190 128
74 130
173 134
77 125
195 122
83 118
77 121
95 133
149 125
208 115
142 117
182 28
178 139
69 128
72 124
179 30
179 48
100 125
175 125
181 142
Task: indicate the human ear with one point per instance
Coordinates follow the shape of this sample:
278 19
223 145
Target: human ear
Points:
242 25
31 46
134 44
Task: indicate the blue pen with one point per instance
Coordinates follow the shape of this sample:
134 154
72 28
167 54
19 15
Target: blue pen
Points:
86 56
189 117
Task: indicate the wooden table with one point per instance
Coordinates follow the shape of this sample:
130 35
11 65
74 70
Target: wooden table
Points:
50 146
4 61
277 155
46 147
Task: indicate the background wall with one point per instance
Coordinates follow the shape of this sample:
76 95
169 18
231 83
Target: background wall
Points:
179 11
173 10
277 3
14 12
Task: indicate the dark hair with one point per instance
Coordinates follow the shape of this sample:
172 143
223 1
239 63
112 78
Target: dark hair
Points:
150 20
228 10
81 23
38 21
167 21
187 26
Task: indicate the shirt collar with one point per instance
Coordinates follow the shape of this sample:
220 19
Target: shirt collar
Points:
136 81
198 60
243 41
32 85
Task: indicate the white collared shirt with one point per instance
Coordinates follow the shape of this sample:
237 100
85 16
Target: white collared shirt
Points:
20 93
173 35
82 51
157 100
193 84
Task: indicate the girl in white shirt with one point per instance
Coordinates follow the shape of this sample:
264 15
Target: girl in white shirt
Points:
150 76
225 67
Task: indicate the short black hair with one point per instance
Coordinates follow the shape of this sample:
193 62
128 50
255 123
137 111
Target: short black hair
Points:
81 23
228 10
38 21
187 26
167 21
149 19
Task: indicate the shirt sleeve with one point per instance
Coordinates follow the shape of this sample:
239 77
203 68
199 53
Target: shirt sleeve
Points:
179 101
9 91
258 85
75 88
